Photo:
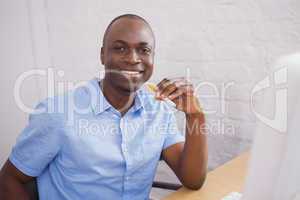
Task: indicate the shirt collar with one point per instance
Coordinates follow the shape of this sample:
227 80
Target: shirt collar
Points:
98 100
99 103
138 101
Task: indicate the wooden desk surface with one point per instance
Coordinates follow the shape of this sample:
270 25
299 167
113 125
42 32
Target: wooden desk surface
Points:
227 178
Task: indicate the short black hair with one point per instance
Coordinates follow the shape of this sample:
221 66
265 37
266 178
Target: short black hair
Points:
131 16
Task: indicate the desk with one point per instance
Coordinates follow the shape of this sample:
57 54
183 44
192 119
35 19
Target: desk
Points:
227 178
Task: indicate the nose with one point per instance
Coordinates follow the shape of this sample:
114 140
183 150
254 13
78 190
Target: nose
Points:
132 58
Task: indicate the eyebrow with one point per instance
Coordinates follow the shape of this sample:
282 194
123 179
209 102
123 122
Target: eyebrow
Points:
140 43
119 41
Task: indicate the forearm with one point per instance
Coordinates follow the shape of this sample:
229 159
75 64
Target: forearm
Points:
193 161
11 189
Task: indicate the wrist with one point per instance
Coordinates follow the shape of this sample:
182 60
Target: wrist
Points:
195 114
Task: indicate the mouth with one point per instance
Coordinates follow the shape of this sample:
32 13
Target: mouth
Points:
131 73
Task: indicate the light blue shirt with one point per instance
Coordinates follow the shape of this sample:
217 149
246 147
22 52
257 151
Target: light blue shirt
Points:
82 148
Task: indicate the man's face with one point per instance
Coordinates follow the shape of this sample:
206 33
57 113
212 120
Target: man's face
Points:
128 54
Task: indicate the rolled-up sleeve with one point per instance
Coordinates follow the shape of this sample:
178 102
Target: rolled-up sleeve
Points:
173 135
38 144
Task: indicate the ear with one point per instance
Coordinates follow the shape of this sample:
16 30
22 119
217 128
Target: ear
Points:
102 55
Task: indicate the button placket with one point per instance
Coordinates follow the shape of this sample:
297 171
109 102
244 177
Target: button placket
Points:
124 151
123 133
124 145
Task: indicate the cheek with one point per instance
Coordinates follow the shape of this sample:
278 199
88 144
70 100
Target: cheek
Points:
148 70
149 62
110 61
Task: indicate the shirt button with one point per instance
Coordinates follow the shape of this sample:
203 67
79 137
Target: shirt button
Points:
126 178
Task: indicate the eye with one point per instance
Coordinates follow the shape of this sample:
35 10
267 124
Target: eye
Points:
145 50
119 49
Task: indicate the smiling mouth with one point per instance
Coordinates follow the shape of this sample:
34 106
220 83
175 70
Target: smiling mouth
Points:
131 73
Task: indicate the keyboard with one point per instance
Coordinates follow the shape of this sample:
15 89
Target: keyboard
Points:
233 196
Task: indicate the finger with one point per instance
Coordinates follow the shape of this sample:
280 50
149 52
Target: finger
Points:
163 82
184 89
163 86
164 92
175 94
166 81
179 88
168 87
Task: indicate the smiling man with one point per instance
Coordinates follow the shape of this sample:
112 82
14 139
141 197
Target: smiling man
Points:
137 128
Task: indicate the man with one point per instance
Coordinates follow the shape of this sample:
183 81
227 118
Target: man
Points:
119 159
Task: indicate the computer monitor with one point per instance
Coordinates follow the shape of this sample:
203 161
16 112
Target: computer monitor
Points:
274 166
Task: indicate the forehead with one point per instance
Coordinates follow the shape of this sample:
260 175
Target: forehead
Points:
131 31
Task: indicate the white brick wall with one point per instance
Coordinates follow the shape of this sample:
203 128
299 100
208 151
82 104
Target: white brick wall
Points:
221 41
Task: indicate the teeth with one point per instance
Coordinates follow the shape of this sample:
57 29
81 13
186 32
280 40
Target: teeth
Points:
130 72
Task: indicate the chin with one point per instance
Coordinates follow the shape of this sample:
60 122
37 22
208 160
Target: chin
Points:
126 88
127 84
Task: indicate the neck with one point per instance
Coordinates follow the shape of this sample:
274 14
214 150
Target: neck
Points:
120 100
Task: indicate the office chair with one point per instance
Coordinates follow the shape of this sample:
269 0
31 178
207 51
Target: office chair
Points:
166 185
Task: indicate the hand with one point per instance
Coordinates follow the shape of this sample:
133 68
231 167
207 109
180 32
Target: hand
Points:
181 92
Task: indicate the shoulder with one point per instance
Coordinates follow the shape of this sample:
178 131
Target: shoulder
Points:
57 108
